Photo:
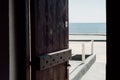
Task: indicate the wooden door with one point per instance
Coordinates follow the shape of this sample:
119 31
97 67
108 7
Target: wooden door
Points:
49 39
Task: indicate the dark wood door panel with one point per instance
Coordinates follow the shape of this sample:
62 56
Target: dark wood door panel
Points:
55 73
49 34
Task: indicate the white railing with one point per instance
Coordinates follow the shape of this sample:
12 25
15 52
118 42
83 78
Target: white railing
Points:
83 53
84 49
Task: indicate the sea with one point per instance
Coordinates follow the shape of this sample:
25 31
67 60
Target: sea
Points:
87 28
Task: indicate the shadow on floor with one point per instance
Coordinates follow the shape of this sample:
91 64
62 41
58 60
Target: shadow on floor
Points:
79 57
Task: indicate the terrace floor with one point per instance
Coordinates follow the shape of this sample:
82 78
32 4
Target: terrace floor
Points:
95 66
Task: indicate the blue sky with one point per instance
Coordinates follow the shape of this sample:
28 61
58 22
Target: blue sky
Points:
87 11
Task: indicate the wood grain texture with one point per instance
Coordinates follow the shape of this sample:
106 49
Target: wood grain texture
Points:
55 73
49 34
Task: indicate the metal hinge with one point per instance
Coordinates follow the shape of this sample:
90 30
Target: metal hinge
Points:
51 59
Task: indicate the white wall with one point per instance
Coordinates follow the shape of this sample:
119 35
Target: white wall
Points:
12 60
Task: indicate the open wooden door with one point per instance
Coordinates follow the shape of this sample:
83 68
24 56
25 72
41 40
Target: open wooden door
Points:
49 53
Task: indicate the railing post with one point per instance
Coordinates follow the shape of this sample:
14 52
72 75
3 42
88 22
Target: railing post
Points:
92 46
83 53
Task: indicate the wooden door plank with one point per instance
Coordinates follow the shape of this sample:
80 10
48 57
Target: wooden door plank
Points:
49 33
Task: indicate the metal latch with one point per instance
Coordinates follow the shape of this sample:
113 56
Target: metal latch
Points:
51 59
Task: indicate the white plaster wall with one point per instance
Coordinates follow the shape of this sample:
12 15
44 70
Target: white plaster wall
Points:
12 60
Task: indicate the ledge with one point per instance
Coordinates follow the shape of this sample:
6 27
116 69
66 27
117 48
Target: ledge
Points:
77 69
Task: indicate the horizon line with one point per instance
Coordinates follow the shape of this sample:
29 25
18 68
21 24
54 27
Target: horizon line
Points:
87 22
